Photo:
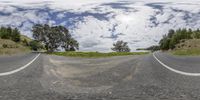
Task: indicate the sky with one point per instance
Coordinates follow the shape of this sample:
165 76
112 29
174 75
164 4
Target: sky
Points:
97 24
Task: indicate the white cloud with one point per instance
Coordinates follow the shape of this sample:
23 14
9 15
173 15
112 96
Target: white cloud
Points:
97 26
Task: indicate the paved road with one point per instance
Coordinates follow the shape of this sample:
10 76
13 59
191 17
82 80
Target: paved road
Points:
116 78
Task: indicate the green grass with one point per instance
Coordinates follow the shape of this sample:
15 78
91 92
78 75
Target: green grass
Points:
187 52
97 54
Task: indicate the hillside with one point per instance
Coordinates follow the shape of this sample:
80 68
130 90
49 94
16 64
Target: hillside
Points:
8 47
13 42
188 44
25 37
188 47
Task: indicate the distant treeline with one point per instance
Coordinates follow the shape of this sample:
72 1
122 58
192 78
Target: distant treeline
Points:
10 33
56 36
151 48
174 37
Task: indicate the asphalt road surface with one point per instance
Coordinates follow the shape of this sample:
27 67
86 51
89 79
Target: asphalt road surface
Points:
157 76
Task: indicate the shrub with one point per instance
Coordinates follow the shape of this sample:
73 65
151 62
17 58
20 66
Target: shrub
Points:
25 42
35 45
5 46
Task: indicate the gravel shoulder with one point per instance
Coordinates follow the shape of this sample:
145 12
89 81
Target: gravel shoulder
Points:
87 75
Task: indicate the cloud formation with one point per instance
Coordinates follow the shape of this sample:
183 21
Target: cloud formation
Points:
96 24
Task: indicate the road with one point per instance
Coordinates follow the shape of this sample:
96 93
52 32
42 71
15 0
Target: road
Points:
157 76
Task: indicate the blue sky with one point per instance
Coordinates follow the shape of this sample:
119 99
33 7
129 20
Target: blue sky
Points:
96 24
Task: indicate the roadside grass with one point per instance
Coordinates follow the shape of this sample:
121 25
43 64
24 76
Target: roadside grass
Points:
97 54
186 52
190 47
8 47
26 38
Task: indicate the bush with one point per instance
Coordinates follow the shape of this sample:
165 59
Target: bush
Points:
5 46
25 42
35 45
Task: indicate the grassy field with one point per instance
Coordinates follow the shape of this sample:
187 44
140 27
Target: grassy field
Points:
8 47
97 54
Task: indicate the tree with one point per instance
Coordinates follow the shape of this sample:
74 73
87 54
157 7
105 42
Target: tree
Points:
121 46
9 33
171 33
35 45
4 34
170 40
54 37
196 34
71 45
164 42
15 35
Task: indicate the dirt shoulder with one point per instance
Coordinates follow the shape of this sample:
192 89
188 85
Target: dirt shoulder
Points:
87 75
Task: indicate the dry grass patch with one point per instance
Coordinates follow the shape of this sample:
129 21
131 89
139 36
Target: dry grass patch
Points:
188 47
8 47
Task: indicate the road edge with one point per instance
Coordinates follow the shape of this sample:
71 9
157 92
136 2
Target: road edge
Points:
174 70
19 69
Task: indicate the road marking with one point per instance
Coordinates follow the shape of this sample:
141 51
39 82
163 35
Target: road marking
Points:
174 70
19 69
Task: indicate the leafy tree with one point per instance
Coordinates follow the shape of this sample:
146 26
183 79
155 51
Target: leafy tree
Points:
15 35
54 37
173 41
121 46
9 33
35 45
164 43
71 45
4 33
171 33
170 40
196 34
